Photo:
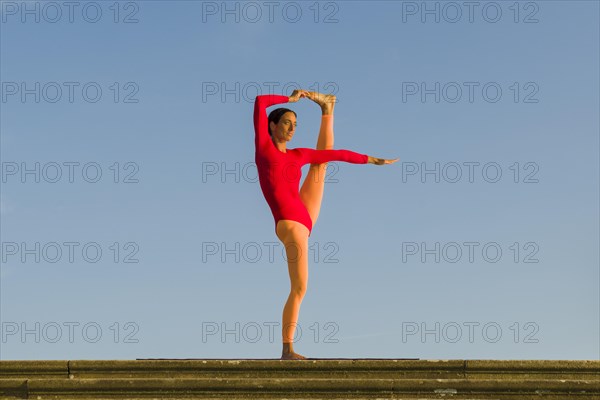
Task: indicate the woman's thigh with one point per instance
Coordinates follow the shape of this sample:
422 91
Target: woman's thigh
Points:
294 237
311 192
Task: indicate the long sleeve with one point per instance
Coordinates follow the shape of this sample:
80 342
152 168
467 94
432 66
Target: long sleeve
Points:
261 125
313 156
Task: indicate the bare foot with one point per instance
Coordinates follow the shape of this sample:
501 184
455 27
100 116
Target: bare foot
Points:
292 356
326 101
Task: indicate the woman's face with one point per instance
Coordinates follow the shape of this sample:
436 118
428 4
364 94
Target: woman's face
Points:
285 128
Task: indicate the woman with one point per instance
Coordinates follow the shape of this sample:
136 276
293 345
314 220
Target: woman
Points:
279 172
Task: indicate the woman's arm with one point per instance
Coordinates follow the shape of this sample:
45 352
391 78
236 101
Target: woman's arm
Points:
312 156
261 124
261 120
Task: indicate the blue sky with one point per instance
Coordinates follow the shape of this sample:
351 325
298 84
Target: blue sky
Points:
154 240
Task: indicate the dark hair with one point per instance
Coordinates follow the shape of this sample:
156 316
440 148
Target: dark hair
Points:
275 116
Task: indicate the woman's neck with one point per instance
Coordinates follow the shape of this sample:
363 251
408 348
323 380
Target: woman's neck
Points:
280 146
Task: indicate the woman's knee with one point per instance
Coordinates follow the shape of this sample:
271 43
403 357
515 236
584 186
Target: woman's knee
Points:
298 291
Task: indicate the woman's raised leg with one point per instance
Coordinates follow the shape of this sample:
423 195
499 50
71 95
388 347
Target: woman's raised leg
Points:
311 192
294 237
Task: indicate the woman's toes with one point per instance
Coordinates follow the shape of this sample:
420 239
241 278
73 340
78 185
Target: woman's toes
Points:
292 356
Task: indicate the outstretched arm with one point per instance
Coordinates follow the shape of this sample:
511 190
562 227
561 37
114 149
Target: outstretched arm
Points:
322 156
313 156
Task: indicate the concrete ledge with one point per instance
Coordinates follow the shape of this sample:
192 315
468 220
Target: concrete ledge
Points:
109 386
27 369
275 368
314 379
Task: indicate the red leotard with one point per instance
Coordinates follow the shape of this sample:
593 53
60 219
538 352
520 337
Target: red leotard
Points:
279 173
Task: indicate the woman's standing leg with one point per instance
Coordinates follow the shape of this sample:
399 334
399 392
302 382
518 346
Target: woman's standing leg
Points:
294 237
311 192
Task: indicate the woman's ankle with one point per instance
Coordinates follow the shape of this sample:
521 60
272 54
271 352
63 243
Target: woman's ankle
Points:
288 347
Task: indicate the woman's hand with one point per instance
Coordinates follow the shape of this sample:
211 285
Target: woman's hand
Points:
297 95
380 161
